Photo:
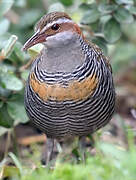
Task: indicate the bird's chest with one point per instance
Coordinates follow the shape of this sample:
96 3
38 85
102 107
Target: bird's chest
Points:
77 107
62 59
74 90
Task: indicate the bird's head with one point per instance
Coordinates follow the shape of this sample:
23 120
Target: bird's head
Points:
54 29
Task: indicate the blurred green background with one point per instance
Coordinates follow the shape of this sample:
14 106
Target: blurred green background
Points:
111 24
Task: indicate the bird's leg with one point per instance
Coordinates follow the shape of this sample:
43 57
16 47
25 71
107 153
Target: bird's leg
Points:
82 148
49 150
65 148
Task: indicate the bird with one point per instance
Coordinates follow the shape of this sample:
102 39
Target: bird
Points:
70 90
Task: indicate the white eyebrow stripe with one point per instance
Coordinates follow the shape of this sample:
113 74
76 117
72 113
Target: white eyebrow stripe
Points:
59 21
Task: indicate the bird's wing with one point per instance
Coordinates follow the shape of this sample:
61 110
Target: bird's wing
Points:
100 54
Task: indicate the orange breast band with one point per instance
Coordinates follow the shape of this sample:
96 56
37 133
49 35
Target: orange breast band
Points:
74 91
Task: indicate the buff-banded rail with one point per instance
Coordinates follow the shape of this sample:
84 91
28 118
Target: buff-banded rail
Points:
70 90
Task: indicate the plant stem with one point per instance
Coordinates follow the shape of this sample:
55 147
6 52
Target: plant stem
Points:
15 149
7 143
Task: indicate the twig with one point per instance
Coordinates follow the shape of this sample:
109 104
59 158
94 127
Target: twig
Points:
8 47
133 112
1 172
7 143
87 28
45 4
14 142
2 56
26 66
12 16
31 139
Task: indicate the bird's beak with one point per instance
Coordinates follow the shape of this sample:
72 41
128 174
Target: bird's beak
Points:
35 39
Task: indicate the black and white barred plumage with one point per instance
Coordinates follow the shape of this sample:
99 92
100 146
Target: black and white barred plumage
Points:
73 117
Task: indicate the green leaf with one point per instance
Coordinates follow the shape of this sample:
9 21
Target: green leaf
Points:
10 81
123 54
90 16
3 39
124 1
17 111
76 16
56 7
4 92
24 75
9 46
67 3
17 162
10 171
105 18
3 130
29 18
112 31
5 119
4 25
5 67
113 151
5 5
18 55
122 15
132 10
1 104
128 31
35 50
101 43
20 3
85 6
107 8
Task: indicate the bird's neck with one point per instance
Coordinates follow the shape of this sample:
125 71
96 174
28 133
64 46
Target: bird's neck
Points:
63 58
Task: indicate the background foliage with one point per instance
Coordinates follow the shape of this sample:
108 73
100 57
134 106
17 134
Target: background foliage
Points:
108 23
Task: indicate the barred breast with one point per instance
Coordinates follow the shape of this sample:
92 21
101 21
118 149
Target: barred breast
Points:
70 104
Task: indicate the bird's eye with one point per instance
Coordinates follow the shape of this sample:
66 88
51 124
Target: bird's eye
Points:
55 27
